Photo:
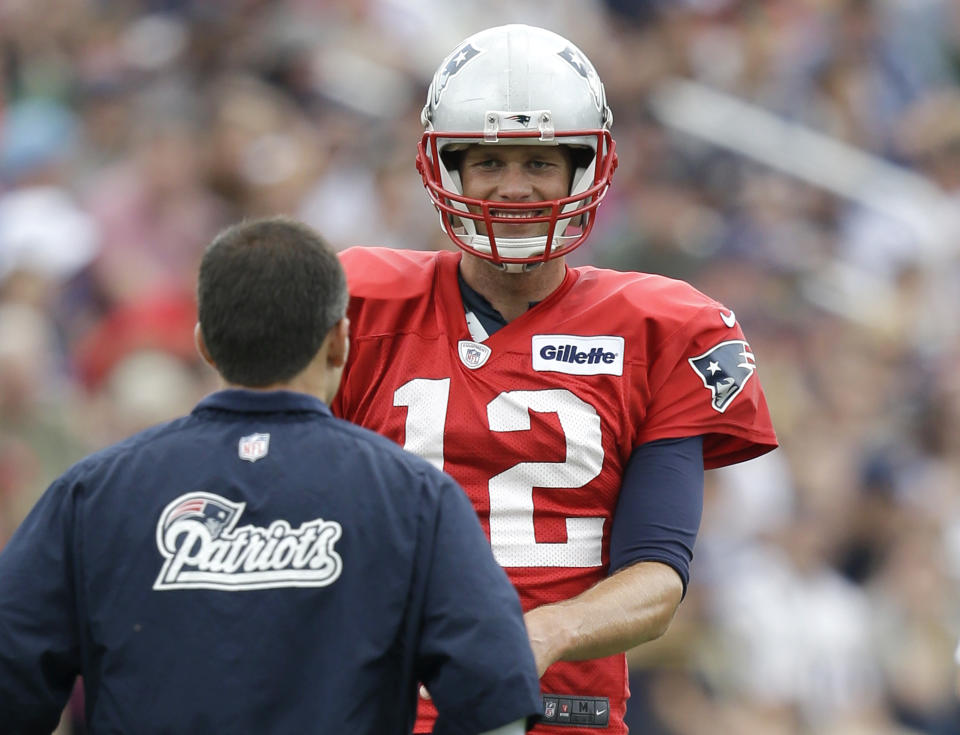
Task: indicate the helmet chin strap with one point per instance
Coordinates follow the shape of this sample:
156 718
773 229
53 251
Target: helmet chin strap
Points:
517 247
516 267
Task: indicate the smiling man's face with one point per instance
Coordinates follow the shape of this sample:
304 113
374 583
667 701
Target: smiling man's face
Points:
516 174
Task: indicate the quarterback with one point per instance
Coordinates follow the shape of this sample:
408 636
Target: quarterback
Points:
577 407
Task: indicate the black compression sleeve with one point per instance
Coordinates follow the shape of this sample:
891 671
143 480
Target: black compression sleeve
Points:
661 501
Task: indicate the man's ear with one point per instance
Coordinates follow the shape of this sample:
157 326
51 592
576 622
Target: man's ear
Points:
339 343
202 346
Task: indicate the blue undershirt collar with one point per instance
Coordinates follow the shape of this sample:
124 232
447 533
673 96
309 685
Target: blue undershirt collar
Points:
483 310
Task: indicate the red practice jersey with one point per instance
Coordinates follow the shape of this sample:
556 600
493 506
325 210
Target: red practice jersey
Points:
537 422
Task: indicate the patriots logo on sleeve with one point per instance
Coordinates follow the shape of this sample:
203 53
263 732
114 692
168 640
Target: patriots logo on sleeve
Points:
725 370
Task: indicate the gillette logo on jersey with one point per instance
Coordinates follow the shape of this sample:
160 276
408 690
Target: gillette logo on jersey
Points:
196 535
576 355
724 370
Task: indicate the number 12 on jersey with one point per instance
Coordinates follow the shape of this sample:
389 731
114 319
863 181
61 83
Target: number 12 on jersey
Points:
512 535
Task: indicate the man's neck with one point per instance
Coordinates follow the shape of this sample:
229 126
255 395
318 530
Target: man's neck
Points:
319 379
512 293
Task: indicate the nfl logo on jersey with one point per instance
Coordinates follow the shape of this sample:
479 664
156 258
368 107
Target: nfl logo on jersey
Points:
473 354
254 447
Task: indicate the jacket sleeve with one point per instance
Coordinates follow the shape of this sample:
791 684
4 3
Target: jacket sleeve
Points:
475 656
39 646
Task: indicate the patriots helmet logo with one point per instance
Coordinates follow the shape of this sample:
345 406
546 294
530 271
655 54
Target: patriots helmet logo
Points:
573 57
454 63
580 65
725 370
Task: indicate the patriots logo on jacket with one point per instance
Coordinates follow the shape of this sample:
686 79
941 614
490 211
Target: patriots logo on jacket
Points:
725 370
213 512
202 547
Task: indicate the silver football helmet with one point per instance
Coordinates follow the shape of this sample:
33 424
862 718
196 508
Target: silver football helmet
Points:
517 85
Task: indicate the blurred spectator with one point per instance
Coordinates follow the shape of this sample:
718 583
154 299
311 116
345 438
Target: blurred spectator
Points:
154 211
265 154
40 413
42 229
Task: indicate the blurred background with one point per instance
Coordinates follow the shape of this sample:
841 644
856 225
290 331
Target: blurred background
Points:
799 160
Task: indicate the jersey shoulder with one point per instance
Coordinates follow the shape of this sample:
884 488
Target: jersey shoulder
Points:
378 272
393 292
644 298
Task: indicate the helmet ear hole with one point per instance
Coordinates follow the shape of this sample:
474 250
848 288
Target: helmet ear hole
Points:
580 160
452 159
581 156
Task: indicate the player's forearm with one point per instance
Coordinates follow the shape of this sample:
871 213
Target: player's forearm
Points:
632 606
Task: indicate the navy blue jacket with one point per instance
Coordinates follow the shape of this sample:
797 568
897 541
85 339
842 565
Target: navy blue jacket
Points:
258 566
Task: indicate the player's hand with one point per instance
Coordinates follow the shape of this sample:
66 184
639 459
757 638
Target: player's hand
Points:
424 694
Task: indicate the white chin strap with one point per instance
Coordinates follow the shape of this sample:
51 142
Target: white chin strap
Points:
517 247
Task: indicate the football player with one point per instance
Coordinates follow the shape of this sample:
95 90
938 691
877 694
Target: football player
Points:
577 407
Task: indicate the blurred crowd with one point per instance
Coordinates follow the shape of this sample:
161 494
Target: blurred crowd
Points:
799 160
